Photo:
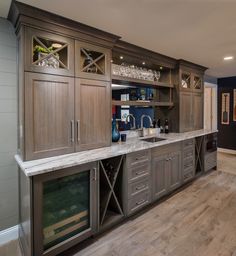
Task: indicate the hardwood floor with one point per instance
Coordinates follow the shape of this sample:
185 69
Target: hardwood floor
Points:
226 163
198 221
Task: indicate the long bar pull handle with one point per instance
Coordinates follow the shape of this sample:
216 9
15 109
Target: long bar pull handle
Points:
95 173
72 127
78 130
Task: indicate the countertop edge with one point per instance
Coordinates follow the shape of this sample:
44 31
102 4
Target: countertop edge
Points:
45 165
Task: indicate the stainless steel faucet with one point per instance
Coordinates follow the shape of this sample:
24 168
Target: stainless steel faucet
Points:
133 127
150 119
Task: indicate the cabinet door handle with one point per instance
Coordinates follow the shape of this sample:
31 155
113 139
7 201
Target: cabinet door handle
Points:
141 202
141 172
140 187
95 173
78 130
72 127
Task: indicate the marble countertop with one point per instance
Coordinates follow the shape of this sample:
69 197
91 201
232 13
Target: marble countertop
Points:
40 166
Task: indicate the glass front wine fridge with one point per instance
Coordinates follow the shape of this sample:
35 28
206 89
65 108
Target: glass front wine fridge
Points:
64 208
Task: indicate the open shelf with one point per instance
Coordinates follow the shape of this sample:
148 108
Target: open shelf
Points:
142 103
111 208
128 80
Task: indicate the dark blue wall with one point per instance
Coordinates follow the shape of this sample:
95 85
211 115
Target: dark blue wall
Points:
227 133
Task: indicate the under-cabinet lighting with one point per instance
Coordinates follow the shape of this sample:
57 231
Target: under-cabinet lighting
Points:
228 58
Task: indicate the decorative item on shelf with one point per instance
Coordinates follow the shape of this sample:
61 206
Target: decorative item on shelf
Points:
88 62
135 72
42 53
115 132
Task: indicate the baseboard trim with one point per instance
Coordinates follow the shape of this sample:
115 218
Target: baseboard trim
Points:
228 151
8 235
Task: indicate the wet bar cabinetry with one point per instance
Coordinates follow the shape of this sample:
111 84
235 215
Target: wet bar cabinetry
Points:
64 84
188 98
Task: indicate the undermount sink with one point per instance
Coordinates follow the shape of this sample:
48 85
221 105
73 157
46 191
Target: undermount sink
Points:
153 139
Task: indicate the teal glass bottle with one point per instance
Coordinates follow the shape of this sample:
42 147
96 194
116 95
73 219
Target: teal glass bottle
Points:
115 132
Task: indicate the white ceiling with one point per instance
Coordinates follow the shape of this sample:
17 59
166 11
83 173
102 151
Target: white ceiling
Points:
201 31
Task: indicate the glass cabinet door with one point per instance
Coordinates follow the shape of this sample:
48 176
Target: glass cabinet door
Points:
66 210
197 83
185 81
49 53
92 61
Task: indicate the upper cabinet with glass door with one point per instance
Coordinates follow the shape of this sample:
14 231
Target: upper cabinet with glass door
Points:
185 81
49 53
190 81
197 82
92 61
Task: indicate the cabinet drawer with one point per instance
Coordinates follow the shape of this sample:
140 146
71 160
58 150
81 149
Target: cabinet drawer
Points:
210 161
188 170
138 158
138 187
188 162
138 172
188 176
188 143
188 153
138 201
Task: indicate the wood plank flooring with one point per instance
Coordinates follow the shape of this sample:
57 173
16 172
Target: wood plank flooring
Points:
200 220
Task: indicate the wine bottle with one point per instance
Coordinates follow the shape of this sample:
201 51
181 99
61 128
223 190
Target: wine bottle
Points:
166 126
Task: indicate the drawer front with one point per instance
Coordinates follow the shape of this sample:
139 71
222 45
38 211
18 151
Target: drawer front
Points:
138 172
188 162
188 176
188 143
189 152
138 158
138 187
138 201
210 161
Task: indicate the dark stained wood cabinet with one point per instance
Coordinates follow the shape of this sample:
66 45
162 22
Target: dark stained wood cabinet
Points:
159 177
60 113
186 115
175 172
92 62
197 110
49 115
47 52
92 114
166 169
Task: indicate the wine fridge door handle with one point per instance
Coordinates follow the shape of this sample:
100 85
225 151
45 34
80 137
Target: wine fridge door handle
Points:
95 173
72 127
78 130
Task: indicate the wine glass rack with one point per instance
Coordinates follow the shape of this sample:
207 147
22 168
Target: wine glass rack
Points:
111 208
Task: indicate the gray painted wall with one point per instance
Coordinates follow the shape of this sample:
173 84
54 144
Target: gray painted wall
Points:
8 126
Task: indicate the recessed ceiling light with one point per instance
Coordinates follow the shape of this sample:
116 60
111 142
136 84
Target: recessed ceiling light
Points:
121 57
143 63
111 61
228 58
161 68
